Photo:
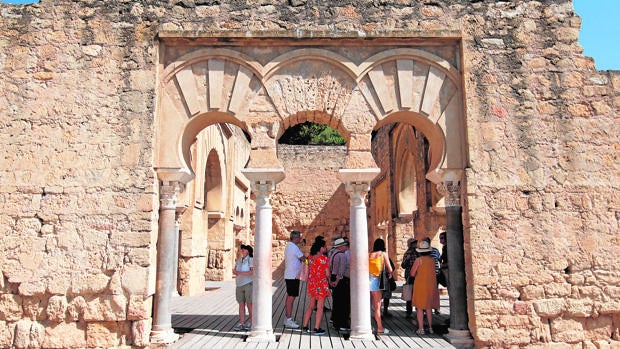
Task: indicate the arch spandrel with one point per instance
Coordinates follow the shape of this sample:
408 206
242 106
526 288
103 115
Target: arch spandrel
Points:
404 84
418 88
311 85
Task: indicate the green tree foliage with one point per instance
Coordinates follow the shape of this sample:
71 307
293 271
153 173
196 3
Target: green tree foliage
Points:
310 133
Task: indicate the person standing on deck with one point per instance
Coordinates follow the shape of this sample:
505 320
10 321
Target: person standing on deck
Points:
318 286
378 261
293 258
340 283
244 270
425 294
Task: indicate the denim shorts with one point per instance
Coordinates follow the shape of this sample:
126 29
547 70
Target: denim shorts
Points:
374 282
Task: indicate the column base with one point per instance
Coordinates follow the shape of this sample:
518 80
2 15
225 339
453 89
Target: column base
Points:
362 336
261 337
461 339
164 336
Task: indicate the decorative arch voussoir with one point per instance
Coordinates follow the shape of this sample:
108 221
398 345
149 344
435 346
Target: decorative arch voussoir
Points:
308 81
219 80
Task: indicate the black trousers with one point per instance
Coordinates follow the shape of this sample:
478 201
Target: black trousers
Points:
341 309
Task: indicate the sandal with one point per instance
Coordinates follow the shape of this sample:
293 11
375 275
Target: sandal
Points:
420 332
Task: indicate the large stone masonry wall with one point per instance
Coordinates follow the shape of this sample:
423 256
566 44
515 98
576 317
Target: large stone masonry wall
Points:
77 197
311 198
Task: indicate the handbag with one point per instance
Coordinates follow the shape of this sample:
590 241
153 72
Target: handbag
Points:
303 272
407 292
382 280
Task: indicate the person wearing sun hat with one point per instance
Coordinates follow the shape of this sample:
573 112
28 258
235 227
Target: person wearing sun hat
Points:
340 282
425 294
244 271
408 258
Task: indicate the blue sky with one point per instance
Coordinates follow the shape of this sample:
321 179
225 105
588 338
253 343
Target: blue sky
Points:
600 31
599 35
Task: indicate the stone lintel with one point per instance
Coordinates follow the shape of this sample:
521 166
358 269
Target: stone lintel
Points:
423 36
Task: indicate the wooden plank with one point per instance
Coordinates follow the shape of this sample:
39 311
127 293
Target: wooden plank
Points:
216 313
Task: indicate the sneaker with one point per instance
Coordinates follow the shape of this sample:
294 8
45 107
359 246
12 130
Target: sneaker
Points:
319 331
385 331
305 329
248 327
239 327
291 323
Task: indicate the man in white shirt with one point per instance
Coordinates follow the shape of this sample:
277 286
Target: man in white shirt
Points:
293 258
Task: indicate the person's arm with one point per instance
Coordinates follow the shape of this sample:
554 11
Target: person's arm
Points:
338 265
300 255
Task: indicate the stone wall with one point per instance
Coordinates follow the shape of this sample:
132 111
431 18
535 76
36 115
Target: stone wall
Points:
311 198
78 201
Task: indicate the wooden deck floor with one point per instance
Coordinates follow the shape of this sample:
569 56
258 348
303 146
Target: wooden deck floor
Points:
207 321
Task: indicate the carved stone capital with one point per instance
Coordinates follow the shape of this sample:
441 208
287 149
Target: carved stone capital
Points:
263 190
357 192
451 190
168 194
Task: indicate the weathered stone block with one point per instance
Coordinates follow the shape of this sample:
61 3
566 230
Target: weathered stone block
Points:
90 284
57 308
134 279
107 334
567 330
139 307
106 308
549 307
75 310
579 307
10 307
34 307
65 335
141 331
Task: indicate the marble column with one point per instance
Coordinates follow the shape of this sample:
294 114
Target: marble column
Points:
162 331
357 184
263 183
458 332
175 269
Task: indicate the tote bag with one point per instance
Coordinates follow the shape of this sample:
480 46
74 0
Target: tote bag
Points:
407 292
303 272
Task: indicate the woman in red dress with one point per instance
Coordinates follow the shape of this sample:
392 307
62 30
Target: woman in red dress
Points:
318 285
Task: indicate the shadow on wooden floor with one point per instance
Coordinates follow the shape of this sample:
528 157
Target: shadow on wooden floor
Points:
208 321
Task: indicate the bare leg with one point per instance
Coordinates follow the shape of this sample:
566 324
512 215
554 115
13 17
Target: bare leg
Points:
376 302
420 316
319 312
289 306
429 319
308 312
242 313
250 311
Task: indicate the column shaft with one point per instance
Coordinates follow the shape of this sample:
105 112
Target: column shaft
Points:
361 327
162 318
458 332
456 272
262 327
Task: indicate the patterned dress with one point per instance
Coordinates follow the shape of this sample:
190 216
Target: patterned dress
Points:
317 281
